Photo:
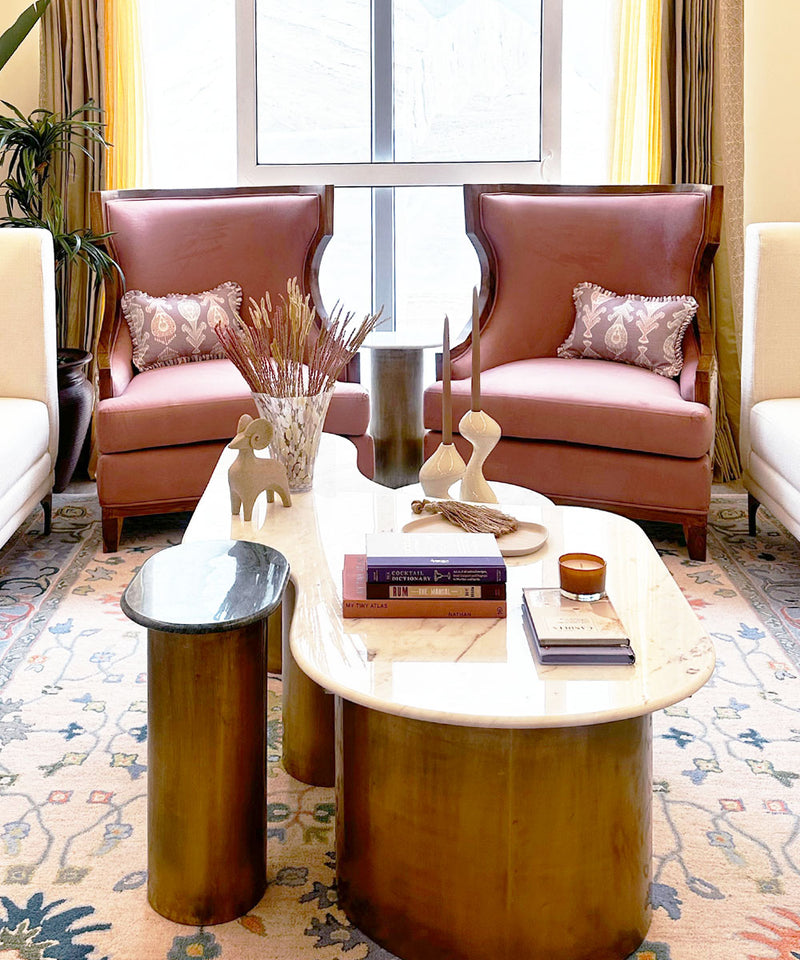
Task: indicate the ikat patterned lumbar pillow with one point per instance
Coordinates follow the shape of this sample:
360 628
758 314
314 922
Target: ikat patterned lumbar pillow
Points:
178 327
645 331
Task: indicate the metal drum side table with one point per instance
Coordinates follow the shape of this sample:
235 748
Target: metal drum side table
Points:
396 405
205 605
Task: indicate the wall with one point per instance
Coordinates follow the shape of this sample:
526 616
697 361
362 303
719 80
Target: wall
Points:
771 110
19 79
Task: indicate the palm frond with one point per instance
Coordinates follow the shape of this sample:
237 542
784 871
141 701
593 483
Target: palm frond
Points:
31 147
19 29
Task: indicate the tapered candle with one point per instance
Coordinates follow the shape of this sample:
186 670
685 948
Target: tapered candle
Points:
447 403
476 353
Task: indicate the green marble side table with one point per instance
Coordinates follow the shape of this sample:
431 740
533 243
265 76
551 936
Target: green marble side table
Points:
205 605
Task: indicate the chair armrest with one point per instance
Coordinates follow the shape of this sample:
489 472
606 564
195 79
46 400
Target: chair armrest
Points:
114 369
696 378
352 372
770 345
705 375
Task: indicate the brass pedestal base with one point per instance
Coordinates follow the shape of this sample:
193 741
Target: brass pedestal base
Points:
207 791
396 422
464 843
308 723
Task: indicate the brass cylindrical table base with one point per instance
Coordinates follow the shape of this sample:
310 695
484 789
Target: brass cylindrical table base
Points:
308 722
396 421
206 793
473 843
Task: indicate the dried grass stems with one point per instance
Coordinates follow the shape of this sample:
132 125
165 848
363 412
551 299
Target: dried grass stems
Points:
284 352
473 518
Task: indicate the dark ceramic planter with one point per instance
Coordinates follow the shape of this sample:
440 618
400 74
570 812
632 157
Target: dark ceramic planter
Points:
74 410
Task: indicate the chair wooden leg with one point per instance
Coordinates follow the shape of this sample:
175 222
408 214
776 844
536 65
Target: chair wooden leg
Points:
696 535
112 530
47 506
752 507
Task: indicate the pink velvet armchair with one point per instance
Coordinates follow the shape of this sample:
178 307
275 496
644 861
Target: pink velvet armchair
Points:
591 432
160 431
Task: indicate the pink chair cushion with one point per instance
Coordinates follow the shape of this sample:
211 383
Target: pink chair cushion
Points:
546 245
593 402
200 402
145 478
612 478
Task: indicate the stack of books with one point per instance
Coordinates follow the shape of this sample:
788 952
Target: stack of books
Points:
425 575
574 631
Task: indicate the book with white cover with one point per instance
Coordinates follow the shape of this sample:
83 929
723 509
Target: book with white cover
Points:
564 631
434 558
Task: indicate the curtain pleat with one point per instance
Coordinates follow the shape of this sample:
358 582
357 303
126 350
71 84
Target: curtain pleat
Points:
124 95
727 164
636 130
696 149
653 46
71 76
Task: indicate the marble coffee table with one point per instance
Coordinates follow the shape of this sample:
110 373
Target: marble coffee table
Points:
487 806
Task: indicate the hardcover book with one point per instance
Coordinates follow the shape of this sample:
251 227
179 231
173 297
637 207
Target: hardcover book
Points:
564 631
438 558
453 591
355 602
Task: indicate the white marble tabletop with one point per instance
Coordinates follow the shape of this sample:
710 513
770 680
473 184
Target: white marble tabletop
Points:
476 671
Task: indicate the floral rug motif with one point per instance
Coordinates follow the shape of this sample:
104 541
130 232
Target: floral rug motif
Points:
73 766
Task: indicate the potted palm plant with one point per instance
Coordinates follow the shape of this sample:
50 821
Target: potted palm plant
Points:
30 148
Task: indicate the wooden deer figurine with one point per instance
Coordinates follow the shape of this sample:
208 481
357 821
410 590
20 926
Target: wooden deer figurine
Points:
248 475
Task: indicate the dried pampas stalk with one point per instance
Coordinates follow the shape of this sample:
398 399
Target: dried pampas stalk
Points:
287 351
468 516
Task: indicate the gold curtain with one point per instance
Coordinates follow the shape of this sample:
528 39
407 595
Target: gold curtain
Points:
123 95
636 129
70 76
727 167
703 142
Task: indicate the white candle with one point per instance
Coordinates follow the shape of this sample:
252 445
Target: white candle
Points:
476 353
447 406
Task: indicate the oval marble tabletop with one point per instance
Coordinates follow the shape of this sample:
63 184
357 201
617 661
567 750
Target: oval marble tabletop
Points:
466 671
206 587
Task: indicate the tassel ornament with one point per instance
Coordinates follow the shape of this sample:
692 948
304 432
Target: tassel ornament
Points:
468 516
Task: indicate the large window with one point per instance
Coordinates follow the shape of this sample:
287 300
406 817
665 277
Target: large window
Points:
397 103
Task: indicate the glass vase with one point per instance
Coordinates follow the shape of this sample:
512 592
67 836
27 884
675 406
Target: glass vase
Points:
297 428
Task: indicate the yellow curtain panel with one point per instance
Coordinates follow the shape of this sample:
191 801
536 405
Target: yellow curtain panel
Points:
636 131
123 94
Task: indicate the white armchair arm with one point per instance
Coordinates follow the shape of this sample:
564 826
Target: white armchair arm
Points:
28 320
770 416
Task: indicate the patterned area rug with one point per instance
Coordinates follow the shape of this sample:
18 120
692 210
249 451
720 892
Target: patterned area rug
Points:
73 766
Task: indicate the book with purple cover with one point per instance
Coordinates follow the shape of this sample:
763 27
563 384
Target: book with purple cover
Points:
437 558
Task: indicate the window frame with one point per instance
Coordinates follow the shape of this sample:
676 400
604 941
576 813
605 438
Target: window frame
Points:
387 173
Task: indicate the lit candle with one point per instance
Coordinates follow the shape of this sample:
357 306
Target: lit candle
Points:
582 575
447 405
476 353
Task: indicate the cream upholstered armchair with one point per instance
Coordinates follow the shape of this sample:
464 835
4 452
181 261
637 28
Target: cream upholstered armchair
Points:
161 429
28 390
769 437
591 431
